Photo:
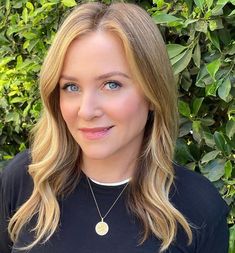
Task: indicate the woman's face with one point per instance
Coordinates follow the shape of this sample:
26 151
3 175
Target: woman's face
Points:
101 104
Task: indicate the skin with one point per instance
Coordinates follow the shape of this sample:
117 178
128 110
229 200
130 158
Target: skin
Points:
102 106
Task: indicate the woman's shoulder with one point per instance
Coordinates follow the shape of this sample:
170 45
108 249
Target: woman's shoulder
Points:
197 197
16 183
17 168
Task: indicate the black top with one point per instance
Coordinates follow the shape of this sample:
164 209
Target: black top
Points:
193 195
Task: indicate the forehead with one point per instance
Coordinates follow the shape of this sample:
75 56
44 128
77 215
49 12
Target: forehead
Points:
96 50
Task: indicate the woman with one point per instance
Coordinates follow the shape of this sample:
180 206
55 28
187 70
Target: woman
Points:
99 176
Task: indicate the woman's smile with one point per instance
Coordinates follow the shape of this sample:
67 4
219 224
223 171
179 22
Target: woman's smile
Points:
95 133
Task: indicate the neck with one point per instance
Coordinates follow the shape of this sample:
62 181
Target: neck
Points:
109 170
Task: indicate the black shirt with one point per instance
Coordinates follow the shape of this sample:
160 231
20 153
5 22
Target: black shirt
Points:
193 195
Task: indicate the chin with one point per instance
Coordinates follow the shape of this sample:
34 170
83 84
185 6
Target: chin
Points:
96 154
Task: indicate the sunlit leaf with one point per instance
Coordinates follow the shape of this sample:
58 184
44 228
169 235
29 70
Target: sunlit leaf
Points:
218 10
209 3
199 3
69 3
213 67
6 60
30 6
25 15
228 168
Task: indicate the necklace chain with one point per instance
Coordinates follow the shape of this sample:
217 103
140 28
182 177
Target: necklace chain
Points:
102 218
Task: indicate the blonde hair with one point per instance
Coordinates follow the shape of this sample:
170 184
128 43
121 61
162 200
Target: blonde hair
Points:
55 153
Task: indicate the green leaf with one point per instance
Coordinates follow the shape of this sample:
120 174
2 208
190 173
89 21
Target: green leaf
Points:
174 49
69 3
6 60
224 89
215 24
199 3
3 102
213 67
13 116
7 5
182 153
26 110
213 37
201 26
197 131
18 100
185 129
228 168
222 2
231 111
196 105
197 55
225 37
218 10
210 156
230 128
183 62
209 139
211 89
25 15
215 169
161 18
209 3
219 141
30 6
207 121
231 13
29 35
184 108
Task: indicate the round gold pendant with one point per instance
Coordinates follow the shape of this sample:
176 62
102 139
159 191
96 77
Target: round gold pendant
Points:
101 228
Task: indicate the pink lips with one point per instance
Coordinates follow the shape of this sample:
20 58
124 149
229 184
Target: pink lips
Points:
95 133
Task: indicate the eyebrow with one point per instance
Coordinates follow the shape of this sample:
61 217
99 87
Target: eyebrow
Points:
101 77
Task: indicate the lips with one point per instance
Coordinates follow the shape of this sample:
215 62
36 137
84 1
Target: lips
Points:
95 133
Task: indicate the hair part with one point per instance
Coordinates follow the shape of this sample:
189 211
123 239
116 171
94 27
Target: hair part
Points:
55 157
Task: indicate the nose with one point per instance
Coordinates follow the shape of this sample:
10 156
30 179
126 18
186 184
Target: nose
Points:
90 106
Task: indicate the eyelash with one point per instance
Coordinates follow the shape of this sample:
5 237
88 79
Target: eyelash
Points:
67 85
117 83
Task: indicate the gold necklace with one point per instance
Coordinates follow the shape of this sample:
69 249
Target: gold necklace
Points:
102 227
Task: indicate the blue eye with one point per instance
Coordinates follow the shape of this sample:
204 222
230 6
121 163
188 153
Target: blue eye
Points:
112 85
70 87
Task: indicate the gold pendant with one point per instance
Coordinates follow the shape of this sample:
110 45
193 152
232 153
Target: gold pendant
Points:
101 228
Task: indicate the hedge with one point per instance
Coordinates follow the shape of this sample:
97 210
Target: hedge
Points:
200 41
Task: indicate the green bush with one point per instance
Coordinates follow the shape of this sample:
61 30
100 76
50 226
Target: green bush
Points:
200 41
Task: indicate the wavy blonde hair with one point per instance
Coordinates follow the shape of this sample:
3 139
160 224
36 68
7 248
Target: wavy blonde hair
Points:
55 153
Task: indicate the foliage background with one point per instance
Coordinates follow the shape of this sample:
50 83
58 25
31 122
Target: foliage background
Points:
200 41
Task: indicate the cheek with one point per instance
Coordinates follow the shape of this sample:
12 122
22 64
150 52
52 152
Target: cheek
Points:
68 110
129 109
